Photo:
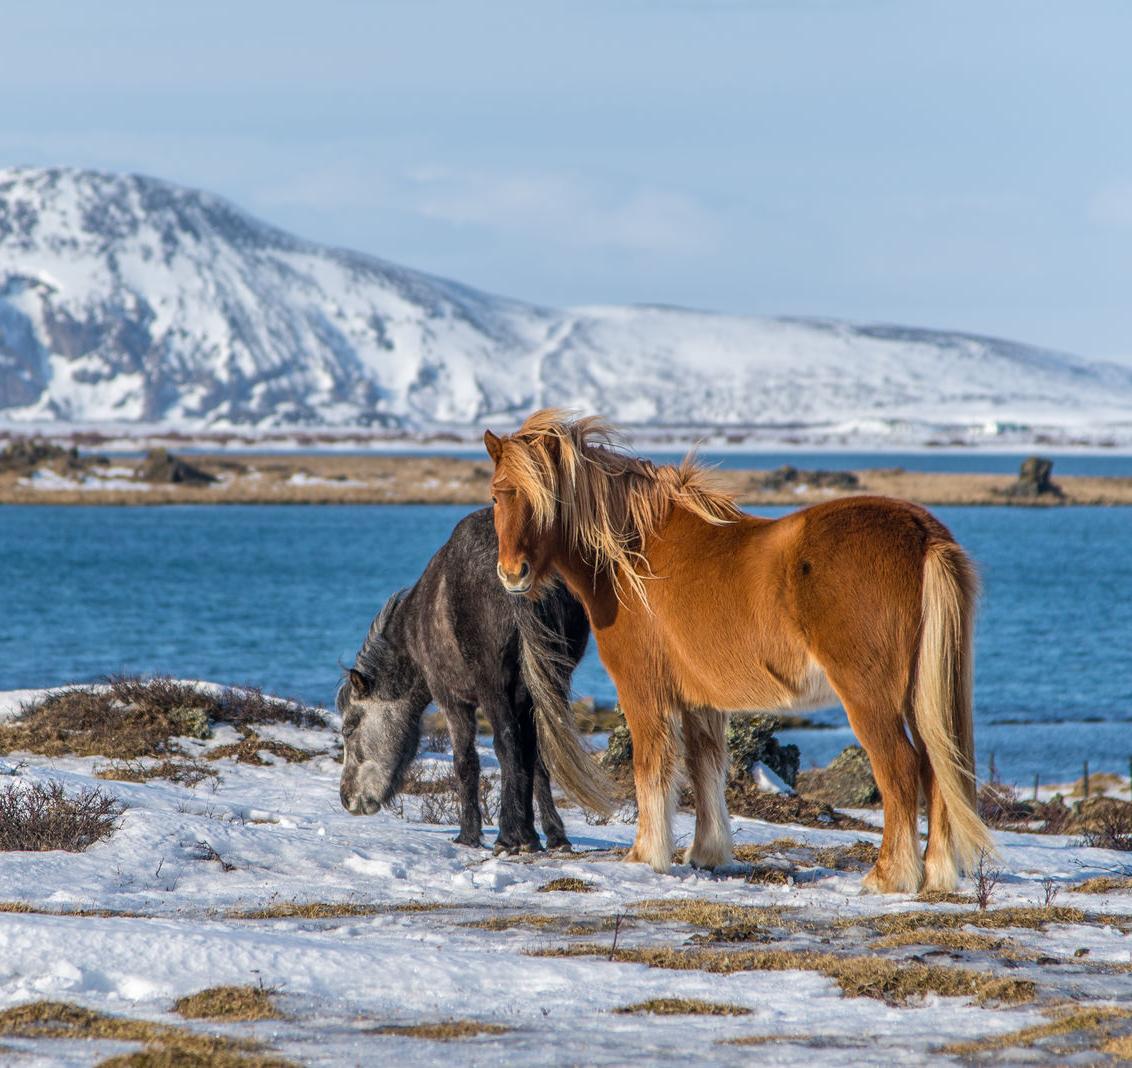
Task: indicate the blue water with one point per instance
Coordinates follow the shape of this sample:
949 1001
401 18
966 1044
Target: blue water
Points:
277 596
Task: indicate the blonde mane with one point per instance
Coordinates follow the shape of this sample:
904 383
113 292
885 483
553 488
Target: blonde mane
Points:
572 471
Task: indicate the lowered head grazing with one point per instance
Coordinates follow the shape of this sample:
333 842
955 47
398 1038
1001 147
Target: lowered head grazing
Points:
381 700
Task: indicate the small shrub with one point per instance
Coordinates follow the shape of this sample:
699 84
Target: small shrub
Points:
1106 824
37 817
986 879
185 772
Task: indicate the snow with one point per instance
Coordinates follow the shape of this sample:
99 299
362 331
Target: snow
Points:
130 300
286 838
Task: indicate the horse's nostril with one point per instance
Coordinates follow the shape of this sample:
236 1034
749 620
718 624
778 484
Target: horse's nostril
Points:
524 571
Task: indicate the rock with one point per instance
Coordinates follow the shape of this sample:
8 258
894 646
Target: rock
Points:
788 477
1034 480
847 781
162 466
25 456
619 751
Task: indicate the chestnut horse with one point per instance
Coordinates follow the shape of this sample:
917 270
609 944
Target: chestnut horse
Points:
699 610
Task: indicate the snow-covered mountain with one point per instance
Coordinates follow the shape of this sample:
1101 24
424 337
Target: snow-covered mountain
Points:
124 299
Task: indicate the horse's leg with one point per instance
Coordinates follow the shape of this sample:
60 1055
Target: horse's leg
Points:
466 764
705 754
516 809
940 870
878 723
653 730
548 812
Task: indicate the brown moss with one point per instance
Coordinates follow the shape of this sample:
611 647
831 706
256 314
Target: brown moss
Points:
683 1007
228 1003
444 1031
567 885
1079 1021
873 977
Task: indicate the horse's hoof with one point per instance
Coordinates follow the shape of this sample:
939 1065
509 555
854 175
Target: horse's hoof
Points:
470 843
560 846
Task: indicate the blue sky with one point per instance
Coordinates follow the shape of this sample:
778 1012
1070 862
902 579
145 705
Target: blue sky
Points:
955 165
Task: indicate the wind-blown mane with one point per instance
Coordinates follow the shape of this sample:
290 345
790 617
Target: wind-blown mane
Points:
573 471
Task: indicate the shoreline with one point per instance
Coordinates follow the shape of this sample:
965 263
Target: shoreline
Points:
333 478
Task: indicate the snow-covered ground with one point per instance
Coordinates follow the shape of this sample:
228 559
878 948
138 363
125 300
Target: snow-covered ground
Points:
281 836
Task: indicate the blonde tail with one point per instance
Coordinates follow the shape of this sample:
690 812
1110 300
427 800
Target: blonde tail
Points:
546 672
943 696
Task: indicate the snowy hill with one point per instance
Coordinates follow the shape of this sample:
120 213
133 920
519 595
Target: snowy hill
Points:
125 299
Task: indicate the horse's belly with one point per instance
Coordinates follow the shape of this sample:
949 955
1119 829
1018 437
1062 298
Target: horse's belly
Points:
753 686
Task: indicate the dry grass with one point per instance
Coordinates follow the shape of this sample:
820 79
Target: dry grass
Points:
682 1007
444 1031
855 857
967 941
251 746
176 1047
1032 917
750 853
895 982
36 817
567 885
131 717
228 1003
1103 884
185 772
710 914
744 798
326 910
1086 1022
518 919
24 907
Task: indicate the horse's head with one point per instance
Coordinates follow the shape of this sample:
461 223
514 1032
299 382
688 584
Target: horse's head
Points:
524 524
381 700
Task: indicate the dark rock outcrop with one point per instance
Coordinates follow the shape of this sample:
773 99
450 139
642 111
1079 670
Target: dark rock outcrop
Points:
162 466
847 781
1034 480
788 477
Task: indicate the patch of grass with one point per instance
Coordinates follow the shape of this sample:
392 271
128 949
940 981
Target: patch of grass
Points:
444 1031
855 857
1032 917
518 919
185 772
751 853
765 1040
37 817
175 1047
945 897
711 914
567 885
24 907
228 1003
131 717
1079 1021
894 982
1103 884
683 1007
969 941
326 910
250 747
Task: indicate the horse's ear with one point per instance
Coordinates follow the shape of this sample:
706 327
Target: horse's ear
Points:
359 684
493 445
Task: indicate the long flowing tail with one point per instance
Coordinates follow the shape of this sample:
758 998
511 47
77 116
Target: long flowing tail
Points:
546 671
943 696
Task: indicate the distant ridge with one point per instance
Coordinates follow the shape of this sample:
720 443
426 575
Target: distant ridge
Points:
128 300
